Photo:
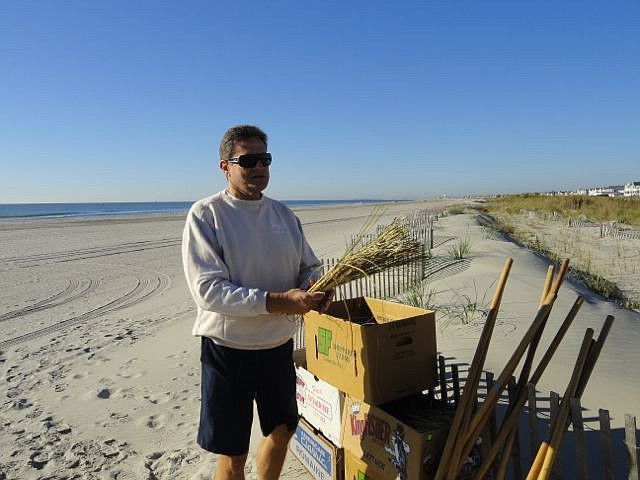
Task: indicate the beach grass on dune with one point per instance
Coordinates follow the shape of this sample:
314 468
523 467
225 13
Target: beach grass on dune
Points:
604 209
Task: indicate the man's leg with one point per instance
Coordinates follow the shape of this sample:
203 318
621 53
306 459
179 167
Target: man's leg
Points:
277 410
226 407
271 453
230 468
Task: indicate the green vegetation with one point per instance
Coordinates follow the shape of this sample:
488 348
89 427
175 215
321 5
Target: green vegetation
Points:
471 306
465 308
592 280
461 249
604 209
419 294
455 210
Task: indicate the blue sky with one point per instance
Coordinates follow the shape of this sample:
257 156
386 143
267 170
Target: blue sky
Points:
125 101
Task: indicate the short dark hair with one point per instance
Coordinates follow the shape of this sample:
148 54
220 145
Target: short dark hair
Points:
237 133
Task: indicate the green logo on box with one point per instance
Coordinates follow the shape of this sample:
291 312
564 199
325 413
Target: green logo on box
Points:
324 340
363 476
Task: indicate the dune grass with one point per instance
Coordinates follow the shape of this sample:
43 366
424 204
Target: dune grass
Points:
570 247
455 210
604 209
461 249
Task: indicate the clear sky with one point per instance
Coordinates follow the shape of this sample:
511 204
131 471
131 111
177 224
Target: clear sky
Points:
127 100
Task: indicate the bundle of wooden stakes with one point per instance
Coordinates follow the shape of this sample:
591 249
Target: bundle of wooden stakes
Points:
392 247
467 426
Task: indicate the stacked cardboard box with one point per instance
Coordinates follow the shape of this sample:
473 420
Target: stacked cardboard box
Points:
368 362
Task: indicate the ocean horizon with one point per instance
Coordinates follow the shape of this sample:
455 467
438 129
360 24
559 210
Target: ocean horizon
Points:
25 211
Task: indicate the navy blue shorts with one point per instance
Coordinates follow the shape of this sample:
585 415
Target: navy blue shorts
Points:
231 380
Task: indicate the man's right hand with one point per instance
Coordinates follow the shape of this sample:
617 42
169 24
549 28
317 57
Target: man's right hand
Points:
294 301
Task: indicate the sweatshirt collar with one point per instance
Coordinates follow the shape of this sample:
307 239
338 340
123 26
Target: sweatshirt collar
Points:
244 204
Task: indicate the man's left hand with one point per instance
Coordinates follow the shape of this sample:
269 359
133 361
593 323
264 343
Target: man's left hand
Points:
326 301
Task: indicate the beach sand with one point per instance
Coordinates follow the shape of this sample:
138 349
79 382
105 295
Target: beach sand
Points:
101 373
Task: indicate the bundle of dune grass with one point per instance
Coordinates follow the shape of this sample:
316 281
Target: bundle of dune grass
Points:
392 247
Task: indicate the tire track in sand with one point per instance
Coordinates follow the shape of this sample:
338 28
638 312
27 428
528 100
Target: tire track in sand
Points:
74 290
145 288
83 254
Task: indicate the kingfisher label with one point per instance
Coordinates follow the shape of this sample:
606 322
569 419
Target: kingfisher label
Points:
371 426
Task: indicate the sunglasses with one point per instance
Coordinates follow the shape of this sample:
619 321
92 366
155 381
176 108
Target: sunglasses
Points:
250 160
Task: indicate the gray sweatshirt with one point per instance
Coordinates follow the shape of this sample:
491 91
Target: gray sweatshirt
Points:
234 252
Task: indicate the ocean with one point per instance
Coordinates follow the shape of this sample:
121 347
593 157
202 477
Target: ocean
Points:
14 211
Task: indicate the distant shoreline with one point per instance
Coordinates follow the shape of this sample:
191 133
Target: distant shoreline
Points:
93 210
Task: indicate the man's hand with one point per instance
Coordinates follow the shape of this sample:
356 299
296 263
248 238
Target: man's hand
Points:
326 301
294 301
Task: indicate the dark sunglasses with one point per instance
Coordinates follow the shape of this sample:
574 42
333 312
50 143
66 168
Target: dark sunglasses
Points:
250 160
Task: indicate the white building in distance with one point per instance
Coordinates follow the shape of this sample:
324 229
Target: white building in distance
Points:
605 191
631 189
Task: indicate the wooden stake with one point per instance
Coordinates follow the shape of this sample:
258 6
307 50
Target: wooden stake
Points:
512 419
557 433
470 387
547 284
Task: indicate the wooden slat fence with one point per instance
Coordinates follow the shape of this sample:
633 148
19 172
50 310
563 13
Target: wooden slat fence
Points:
383 285
420 223
581 222
612 230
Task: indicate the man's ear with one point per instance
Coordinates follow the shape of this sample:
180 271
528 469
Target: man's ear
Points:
224 166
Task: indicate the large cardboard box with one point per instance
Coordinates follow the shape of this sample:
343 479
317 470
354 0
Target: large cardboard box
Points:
320 457
318 402
401 440
372 349
390 448
357 469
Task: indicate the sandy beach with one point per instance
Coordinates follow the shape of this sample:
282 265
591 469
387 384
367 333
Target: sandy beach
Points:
101 373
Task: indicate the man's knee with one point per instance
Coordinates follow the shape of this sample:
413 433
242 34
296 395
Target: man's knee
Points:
281 434
232 463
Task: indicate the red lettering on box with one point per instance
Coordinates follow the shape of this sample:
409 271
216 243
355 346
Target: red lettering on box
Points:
319 405
372 426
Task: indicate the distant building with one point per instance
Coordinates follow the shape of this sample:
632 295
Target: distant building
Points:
631 189
613 191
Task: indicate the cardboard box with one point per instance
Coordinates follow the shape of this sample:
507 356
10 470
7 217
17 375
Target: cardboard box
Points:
356 469
320 457
319 403
380 446
372 349
390 448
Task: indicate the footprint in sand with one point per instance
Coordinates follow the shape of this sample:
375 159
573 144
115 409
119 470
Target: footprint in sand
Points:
20 404
160 398
102 393
155 421
129 374
120 417
164 464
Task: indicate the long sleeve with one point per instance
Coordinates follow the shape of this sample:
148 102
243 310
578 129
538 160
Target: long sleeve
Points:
208 276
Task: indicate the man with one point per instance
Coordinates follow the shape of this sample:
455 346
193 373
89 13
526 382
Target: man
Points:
247 264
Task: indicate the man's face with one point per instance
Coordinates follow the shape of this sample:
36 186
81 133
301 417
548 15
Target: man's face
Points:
246 183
